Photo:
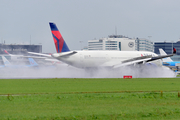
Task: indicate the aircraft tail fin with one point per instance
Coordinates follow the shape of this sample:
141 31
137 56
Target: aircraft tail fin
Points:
7 52
6 62
32 62
60 44
162 52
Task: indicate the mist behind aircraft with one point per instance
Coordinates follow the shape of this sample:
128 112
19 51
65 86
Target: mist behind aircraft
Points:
72 72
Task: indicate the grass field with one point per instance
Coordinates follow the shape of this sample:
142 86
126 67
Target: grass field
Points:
39 99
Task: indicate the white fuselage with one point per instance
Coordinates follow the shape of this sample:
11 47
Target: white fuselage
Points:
89 59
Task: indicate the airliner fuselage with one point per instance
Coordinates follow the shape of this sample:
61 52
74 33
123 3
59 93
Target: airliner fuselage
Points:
89 59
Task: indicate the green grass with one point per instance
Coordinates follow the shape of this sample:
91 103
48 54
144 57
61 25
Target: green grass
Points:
24 86
52 99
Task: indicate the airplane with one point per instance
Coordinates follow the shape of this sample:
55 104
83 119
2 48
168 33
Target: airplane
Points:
98 59
14 57
168 61
2 66
32 62
17 57
8 64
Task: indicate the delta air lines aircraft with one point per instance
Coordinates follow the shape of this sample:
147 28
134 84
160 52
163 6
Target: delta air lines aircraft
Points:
98 59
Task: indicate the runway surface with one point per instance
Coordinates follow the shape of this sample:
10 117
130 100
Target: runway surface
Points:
72 72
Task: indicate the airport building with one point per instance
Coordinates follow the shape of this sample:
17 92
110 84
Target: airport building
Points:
143 44
113 42
121 43
20 49
167 47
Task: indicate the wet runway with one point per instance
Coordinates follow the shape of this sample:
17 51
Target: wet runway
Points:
72 72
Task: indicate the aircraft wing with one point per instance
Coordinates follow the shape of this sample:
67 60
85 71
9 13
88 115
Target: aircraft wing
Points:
160 57
140 60
162 52
137 60
33 57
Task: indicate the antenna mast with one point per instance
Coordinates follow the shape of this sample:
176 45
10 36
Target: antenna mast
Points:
115 30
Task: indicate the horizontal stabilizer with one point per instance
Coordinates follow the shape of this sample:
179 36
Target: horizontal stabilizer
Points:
63 54
46 55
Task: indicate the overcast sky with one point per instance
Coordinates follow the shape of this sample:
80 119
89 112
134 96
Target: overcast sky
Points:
83 20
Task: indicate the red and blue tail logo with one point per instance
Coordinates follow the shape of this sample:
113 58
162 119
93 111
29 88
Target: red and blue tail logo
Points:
60 44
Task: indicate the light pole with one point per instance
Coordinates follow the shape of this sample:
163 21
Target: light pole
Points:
149 37
30 39
172 46
81 44
150 42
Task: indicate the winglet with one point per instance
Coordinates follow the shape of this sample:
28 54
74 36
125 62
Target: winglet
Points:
60 44
174 50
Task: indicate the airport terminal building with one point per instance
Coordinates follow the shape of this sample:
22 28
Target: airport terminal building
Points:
20 49
113 42
143 44
167 47
121 43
